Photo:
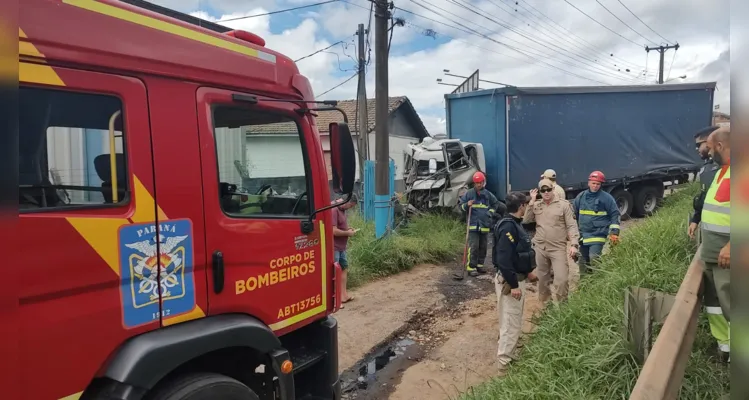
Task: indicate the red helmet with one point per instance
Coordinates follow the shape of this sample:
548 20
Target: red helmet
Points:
478 177
597 176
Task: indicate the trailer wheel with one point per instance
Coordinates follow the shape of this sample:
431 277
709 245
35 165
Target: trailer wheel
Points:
625 203
646 201
203 386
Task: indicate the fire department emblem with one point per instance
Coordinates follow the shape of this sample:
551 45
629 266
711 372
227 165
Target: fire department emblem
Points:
156 261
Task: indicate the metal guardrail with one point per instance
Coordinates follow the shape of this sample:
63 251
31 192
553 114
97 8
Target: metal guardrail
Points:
663 372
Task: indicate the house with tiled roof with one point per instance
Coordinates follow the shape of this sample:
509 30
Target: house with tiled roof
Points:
405 127
253 154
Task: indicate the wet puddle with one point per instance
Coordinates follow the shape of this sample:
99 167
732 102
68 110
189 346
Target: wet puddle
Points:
371 376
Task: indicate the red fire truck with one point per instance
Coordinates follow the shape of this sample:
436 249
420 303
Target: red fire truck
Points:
174 204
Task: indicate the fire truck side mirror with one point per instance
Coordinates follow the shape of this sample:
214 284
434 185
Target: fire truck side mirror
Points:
342 158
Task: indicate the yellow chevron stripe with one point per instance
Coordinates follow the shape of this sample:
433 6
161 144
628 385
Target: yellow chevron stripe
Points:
74 396
119 13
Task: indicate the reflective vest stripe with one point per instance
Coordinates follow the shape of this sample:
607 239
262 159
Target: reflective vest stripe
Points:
716 216
591 212
594 240
717 208
716 228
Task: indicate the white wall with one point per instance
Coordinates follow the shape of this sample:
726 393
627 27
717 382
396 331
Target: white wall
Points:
396 144
274 156
230 146
70 156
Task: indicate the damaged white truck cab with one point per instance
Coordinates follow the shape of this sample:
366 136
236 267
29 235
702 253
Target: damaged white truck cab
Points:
438 171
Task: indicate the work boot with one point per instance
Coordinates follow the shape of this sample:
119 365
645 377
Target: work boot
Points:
472 271
481 270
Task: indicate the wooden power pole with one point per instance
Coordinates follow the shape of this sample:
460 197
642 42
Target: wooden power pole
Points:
362 118
382 158
662 51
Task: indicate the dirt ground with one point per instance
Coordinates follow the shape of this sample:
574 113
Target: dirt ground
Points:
423 335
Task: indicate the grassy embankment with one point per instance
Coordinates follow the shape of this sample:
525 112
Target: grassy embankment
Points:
578 351
425 239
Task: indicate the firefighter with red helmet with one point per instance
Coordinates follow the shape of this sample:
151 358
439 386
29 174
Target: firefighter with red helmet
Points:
483 205
598 219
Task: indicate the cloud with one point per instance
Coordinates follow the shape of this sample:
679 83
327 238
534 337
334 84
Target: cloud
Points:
523 43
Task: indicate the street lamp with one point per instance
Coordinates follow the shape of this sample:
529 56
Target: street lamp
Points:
447 72
439 81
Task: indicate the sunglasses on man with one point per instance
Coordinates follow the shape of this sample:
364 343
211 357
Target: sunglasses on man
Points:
698 144
545 190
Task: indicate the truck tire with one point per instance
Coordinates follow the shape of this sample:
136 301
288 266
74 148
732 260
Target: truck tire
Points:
646 201
624 201
203 386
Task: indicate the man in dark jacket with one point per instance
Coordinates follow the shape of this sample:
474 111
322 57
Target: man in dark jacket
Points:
597 217
483 205
514 259
706 175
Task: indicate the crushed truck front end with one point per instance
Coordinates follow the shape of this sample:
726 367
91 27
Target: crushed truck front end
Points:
439 171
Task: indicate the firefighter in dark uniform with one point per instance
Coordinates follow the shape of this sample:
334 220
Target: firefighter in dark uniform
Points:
718 323
483 205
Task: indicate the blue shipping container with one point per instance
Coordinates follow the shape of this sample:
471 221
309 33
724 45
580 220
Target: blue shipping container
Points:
625 131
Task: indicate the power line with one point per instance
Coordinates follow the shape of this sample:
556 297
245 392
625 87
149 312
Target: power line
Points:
338 85
319 51
278 11
539 54
596 21
672 65
599 70
498 42
643 22
566 32
620 20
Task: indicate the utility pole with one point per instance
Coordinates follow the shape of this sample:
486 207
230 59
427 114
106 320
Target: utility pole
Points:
382 142
363 124
662 51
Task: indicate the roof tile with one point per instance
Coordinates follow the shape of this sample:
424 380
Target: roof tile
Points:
325 118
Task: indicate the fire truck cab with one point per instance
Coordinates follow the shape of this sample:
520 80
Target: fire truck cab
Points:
175 208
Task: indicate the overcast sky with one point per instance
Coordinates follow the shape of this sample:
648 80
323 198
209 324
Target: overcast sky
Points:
530 43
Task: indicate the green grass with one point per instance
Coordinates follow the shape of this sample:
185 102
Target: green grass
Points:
578 350
429 238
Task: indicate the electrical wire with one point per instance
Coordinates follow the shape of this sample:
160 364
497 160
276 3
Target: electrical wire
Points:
338 85
672 65
537 57
319 51
544 64
643 22
620 20
596 21
564 32
595 67
278 11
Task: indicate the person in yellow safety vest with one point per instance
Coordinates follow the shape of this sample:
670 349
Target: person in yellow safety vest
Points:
718 323
597 217
483 205
716 224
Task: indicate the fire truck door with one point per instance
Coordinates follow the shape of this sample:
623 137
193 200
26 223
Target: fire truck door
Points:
179 196
257 182
88 285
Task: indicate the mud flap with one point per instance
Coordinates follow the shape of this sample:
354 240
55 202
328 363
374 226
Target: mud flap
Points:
285 381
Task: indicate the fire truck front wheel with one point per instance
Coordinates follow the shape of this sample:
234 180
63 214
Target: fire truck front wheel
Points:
203 386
